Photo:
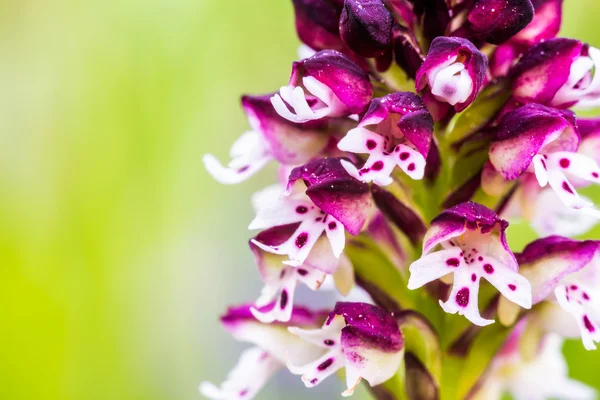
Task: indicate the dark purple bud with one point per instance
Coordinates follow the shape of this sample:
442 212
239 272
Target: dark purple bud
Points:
454 71
406 51
317 24
366 27
496 21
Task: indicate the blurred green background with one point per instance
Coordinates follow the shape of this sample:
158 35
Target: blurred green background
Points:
117 250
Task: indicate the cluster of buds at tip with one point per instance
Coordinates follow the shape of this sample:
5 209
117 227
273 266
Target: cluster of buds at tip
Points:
475 102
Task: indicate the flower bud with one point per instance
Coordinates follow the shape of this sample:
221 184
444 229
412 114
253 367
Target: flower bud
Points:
496 21
366 27
454 71
317 23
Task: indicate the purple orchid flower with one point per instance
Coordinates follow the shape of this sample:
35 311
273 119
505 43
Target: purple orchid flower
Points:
400 135
567 272
560 73
322 198
273 347
362 338
336 87
541 140
454 71
317 23
469 241
271 138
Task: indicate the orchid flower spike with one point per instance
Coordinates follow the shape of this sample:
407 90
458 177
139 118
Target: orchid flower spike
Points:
560 73
336 87
362 338
271 138
273 347
566 272
541 140
321 198
396 131
469 241
454 72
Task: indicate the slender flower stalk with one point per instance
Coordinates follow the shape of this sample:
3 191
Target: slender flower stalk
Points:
408 135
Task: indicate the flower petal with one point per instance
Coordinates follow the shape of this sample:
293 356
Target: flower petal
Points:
463 298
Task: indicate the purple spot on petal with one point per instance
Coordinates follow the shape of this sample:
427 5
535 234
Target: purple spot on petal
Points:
488 268
302 272
567 188
284 299
462 297
588 324
574 287
301 240
243 393
544 164
453 262
332 225
243 169
301 210
371 144
404 156
595 175
325 364
377 166
480 258
585 296
314 381
512 287
328 342
411 167
473 277
564 162
318 219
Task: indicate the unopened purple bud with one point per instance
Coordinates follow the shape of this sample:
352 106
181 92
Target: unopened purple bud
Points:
317 23
496 21
454 71
366 27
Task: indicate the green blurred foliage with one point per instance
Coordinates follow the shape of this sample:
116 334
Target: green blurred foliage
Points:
117 250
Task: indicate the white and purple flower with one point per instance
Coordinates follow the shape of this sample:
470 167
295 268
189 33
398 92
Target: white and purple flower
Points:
469 241
396 130
328 84
361 338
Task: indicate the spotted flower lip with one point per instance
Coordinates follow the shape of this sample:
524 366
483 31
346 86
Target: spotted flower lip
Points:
366 27
273 346
496 21
328 201
400 134
362 338
336 87
471 242
567 271
281 280
541 140
271 138
454 71
560 73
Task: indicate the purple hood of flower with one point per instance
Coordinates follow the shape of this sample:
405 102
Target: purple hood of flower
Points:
335 192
